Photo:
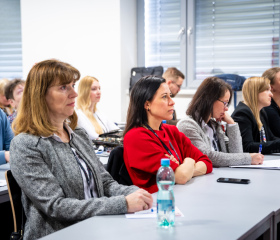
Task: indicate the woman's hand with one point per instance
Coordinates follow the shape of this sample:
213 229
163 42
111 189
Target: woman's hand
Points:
138 201
226 118
185 171
172 158
256 158
7 156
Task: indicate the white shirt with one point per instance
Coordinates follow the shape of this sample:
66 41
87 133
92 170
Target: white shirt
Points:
85 123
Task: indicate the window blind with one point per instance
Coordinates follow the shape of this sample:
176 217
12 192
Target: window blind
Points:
10 39
162 24
236 36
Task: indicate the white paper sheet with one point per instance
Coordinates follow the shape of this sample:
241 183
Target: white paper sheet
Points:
269 164
3 183
151 213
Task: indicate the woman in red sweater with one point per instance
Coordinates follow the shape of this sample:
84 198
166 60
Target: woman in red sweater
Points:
147 140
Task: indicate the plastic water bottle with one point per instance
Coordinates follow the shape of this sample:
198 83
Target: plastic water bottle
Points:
165 195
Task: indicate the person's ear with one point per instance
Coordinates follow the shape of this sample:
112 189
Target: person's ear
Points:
168 81
12 102
147 105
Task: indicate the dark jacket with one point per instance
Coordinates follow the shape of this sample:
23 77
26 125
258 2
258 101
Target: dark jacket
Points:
250 133
273 114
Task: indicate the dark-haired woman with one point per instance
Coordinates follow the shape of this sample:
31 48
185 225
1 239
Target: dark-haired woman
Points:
147 140
202 125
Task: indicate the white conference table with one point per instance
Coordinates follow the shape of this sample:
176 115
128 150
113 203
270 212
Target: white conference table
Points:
211 210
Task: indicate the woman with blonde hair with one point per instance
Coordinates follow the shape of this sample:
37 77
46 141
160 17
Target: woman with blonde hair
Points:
54 163
252 119
89 117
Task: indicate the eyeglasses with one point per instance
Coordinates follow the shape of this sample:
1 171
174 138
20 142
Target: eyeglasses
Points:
179 86
225 103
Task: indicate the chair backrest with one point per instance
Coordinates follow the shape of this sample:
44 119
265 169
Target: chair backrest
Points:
16 204
116 167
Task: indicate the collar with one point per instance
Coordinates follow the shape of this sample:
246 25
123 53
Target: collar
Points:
57 138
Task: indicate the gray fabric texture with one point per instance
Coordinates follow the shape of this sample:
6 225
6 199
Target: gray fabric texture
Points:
231 150
52 184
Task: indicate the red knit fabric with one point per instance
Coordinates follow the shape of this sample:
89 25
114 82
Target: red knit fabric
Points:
143 152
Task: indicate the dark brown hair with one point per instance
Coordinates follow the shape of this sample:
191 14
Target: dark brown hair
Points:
10 87
271 73
209 91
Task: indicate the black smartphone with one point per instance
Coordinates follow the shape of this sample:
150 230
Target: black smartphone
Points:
234 180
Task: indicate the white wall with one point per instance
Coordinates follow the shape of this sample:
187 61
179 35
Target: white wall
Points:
97 37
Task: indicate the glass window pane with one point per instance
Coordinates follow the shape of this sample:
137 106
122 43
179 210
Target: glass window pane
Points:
238 37
162 24
10 39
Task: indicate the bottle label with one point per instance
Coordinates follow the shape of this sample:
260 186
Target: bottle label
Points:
165 213
165 206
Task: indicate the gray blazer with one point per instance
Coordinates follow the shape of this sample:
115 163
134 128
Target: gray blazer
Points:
231 144
52 184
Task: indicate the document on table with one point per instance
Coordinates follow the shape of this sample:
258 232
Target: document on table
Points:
3 183
151 213
269 164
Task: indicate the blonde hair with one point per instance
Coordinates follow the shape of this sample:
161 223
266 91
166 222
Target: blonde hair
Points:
84 102
250 91
33 113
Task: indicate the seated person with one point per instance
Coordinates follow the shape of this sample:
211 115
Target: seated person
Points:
203 126
252 118
6 135
147 140
54 163
5 104
273 111
174 79
89 117
13 92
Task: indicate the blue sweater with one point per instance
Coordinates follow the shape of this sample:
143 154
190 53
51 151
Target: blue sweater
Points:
6 135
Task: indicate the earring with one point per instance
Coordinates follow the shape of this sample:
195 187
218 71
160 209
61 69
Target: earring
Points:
148 109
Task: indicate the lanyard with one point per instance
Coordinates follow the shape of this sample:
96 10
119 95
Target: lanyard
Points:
262 135
88 174
163 144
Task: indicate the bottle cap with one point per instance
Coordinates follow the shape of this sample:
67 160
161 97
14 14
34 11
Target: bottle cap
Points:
165 162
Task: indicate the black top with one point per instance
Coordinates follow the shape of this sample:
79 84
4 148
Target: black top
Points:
250 133
273 115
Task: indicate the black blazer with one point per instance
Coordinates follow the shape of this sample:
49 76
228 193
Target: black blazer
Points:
273 114
250 133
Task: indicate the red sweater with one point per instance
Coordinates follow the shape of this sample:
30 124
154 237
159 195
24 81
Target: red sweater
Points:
143 152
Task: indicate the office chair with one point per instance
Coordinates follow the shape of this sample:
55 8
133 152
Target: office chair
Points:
116 167
16 205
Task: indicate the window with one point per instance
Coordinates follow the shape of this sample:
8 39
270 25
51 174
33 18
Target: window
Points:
10 39
218 36
240 37
162 23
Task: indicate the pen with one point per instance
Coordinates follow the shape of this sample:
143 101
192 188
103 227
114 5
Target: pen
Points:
151 210
260 148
